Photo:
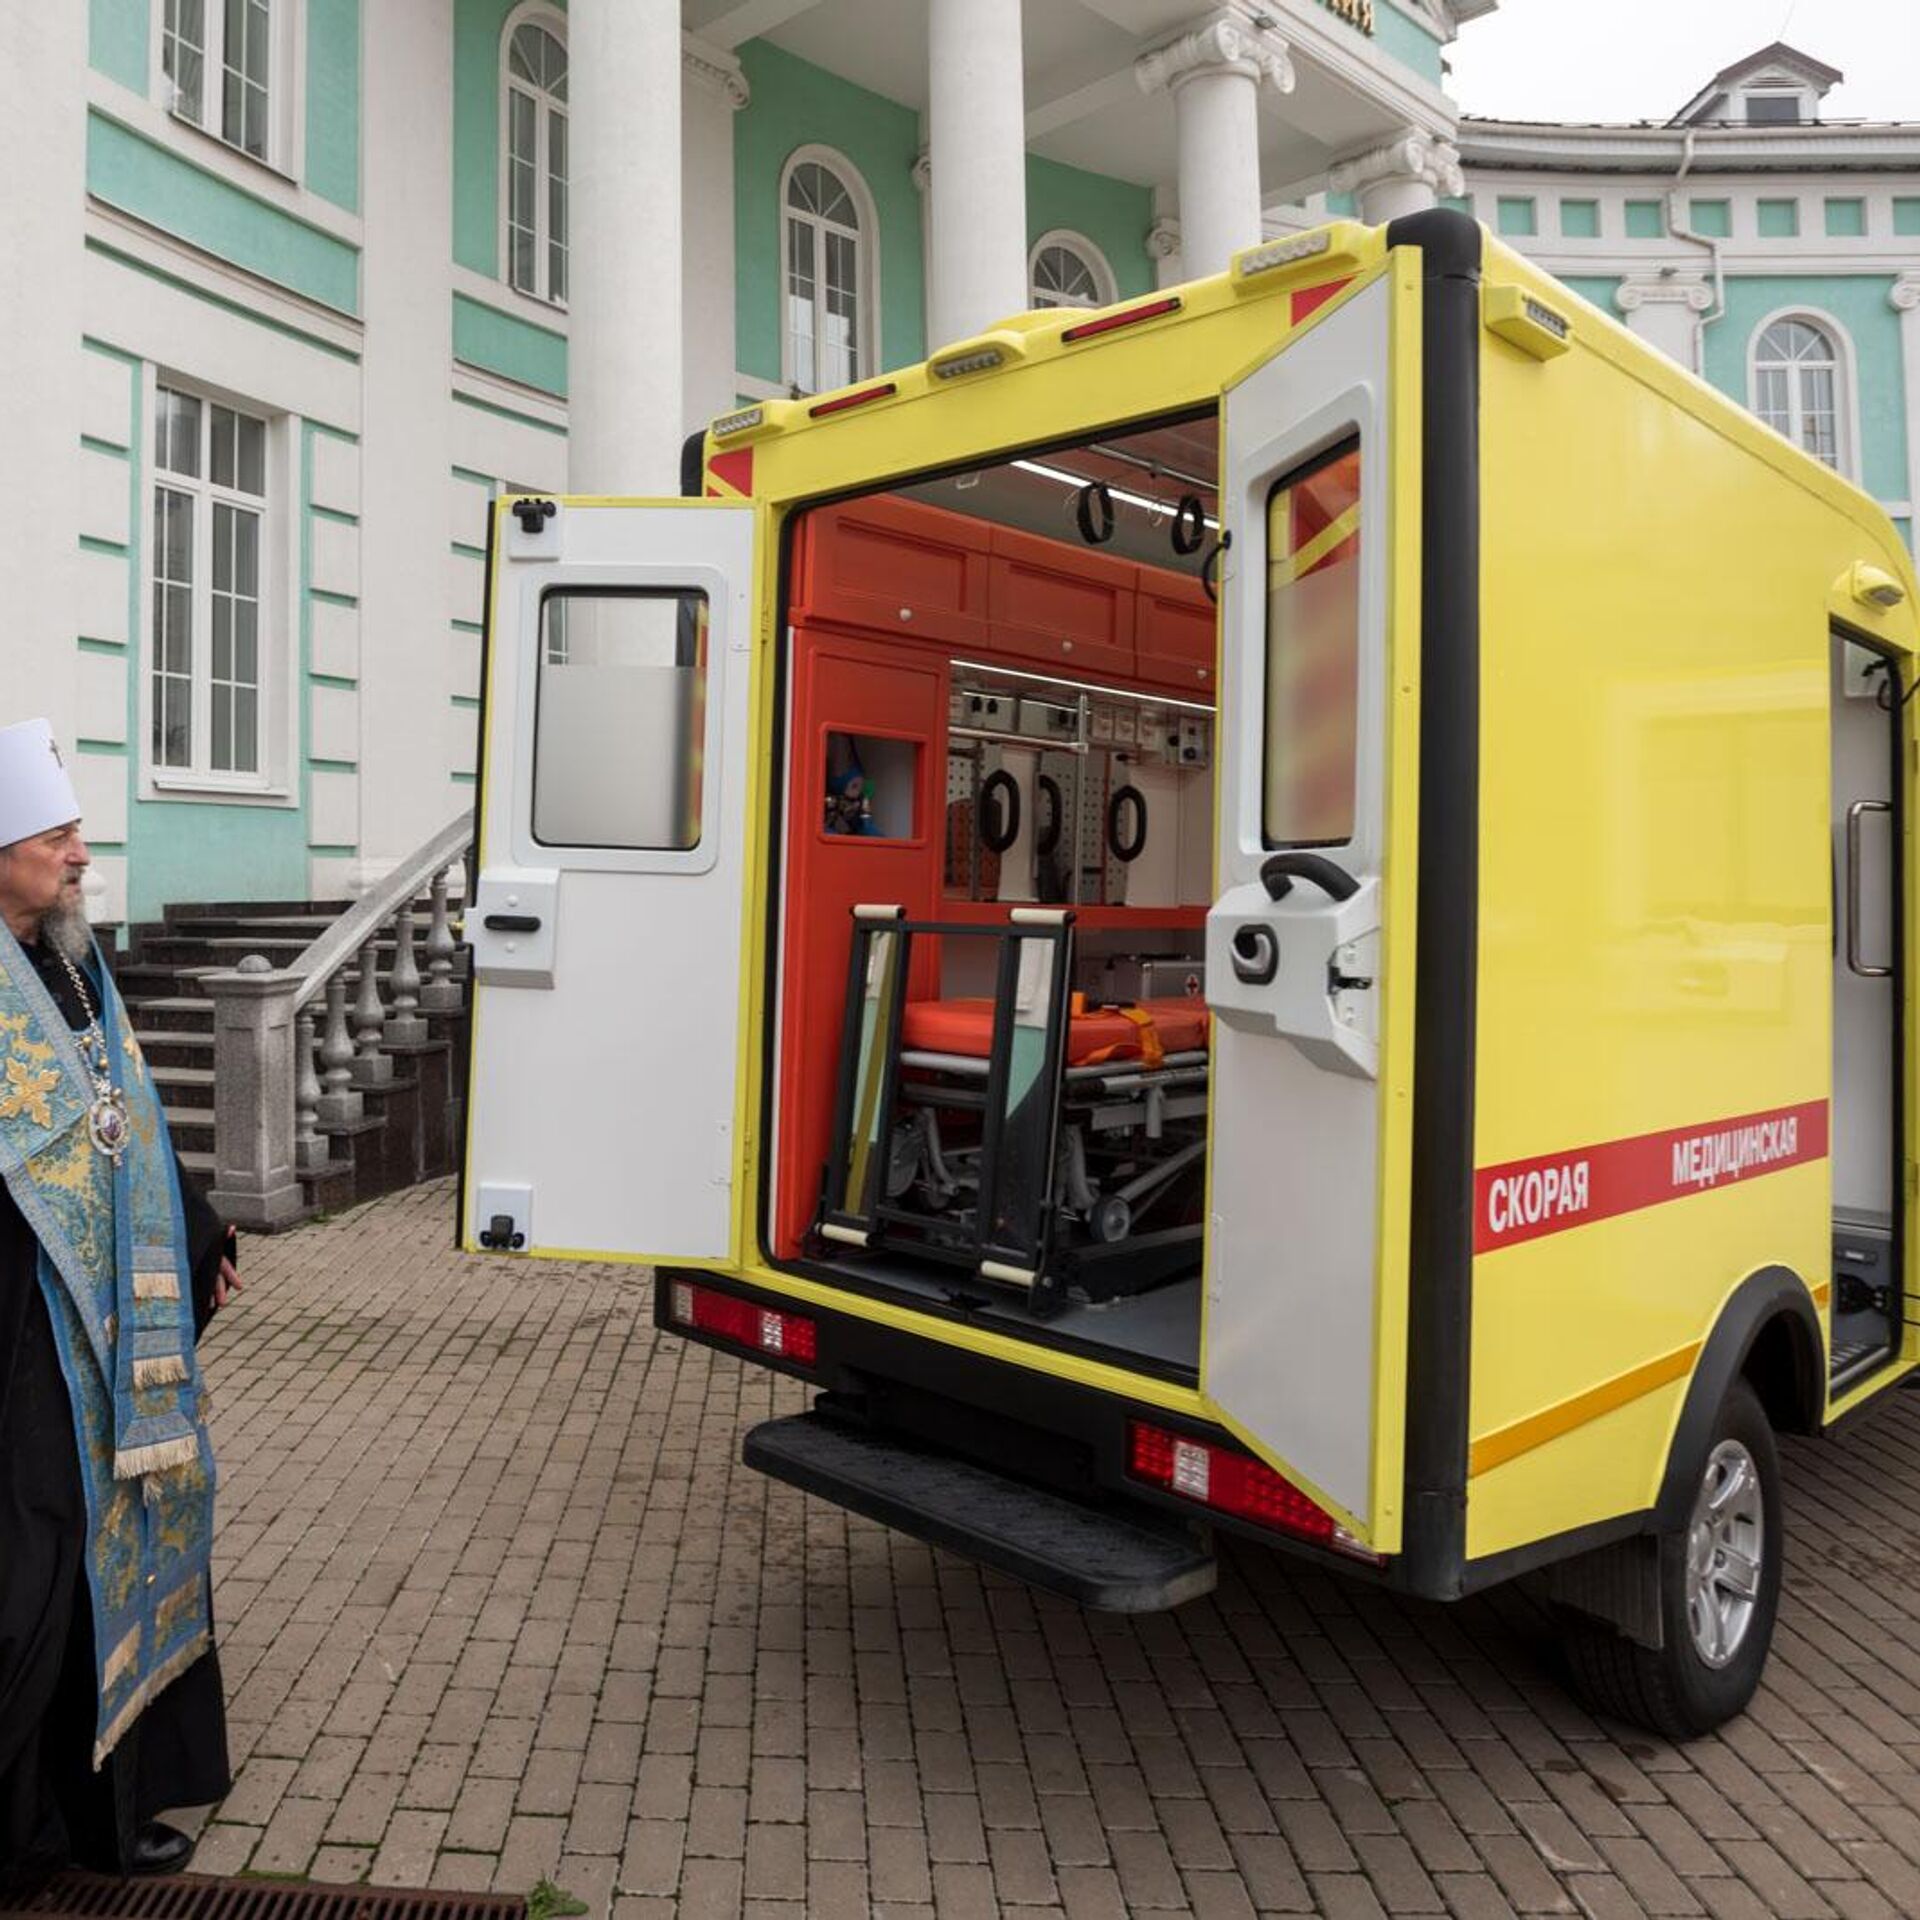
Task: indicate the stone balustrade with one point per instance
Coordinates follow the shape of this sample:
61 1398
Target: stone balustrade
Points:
303 1054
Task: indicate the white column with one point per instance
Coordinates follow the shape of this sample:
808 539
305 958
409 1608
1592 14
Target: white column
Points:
1665 309
406 437
1407 175
1905 296
715 91
42 143
625 390
1214 74
977 149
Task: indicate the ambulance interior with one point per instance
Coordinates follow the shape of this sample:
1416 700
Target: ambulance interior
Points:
1867 1148
991 1078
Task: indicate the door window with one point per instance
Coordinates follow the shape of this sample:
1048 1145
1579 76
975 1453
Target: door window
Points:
619 718
1313 653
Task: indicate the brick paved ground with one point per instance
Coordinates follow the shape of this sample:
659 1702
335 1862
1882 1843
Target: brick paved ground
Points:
499 1603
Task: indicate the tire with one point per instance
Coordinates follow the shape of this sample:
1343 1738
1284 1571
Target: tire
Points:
1683 1690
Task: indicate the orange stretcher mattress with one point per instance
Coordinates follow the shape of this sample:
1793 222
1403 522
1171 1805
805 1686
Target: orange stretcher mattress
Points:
1140 1033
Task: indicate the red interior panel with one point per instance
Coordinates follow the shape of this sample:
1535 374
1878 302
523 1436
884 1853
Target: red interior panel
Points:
844 685
1070 612
1175 628
898 567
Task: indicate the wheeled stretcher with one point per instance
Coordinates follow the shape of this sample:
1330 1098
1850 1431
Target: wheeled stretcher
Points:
1046 1144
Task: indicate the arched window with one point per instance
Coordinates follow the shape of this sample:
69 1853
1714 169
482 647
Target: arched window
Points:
1067 270
534 79
1797 385
829 247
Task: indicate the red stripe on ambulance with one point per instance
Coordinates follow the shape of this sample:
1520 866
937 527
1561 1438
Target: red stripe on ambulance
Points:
1523 1199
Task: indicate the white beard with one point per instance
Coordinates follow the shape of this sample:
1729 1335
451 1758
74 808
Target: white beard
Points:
65 930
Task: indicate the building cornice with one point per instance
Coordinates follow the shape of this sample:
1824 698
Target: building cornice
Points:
1892 148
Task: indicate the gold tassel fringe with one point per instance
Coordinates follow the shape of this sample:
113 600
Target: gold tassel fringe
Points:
132 1463
165 1370
159 1284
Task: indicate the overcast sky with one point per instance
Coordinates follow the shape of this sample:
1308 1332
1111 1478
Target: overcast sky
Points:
1644 59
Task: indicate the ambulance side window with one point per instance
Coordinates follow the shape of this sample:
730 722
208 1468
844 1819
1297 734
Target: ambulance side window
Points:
619 715
1313 652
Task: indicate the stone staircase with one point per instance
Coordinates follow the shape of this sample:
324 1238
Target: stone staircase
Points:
409 1129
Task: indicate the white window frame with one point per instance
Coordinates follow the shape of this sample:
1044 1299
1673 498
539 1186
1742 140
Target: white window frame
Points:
1096 263
1846 399
866 261
286 72
534 13
278 597
1806 107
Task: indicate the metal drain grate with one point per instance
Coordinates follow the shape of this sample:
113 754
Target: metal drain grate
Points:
194 1896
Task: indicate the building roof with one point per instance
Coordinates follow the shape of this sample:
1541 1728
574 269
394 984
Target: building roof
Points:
1641 146
1779 58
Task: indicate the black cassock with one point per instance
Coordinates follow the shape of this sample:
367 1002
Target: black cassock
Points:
55 1809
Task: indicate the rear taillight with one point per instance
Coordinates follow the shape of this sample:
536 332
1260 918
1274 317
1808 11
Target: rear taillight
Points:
787 1336
1234 1483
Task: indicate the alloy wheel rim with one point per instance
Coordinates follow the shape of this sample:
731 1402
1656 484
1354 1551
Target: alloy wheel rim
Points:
1725 1540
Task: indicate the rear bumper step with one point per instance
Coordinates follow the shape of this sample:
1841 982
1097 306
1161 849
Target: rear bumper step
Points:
1116 1563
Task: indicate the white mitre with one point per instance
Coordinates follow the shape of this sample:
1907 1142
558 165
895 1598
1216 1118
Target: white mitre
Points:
35 793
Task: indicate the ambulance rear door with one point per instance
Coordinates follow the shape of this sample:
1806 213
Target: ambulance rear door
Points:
605 921
1310 940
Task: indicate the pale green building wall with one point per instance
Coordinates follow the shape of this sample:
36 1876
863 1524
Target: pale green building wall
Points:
1113 214
794 105
195 849
1411 41
1860 304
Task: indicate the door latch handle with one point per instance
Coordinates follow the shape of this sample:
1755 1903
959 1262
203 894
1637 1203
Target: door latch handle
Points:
1256 954
512 923
1279 873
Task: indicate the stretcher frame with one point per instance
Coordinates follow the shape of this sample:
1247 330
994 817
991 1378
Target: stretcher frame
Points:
1023 1183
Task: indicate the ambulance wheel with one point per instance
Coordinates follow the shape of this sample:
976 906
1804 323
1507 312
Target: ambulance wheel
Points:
1719 1592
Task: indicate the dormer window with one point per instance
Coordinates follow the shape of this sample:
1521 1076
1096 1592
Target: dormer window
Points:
1776 108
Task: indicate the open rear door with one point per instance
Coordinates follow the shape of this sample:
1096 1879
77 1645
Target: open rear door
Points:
1310 950
606 917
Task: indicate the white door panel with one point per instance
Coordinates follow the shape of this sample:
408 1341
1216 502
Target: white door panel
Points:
606 920
1291 1343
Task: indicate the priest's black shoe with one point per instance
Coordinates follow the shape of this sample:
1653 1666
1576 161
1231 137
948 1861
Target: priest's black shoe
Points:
158 1848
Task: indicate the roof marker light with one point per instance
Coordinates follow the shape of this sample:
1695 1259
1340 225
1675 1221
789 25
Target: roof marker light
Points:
841 402
1528 322
737 422
956 364
1126 317
1281 253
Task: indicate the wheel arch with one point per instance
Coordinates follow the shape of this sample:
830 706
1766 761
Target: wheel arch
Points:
1769 1333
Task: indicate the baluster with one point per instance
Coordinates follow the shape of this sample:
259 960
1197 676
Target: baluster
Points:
405 1028
441 994
309 1149
371 1067
341 1104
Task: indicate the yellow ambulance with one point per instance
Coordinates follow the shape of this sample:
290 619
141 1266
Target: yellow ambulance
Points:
1277 910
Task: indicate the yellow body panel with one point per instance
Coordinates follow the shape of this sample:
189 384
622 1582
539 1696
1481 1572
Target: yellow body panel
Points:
1655 911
